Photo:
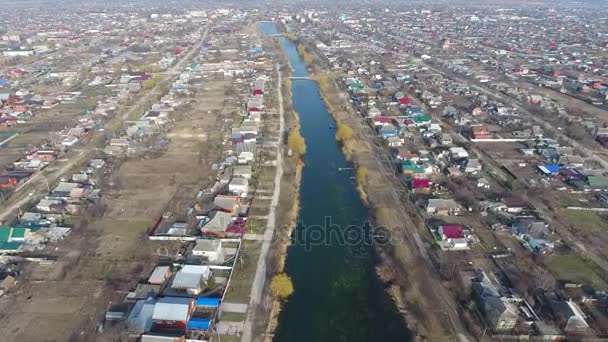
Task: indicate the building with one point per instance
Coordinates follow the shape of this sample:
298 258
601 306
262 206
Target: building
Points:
191 279
443 207
173 313
217 225
227 203
480 132
160 275
452 237
501 314
239 186
140 320
210 249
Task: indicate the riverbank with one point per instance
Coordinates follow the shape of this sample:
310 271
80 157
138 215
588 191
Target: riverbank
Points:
337 293
287 213
399 267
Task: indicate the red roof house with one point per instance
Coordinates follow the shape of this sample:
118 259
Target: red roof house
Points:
421 186
452 231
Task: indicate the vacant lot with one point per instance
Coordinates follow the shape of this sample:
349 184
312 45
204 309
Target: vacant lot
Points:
106 257
573 269
587 221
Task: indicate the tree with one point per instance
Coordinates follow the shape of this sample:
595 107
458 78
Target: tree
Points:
344 132
281 286
361 175
117 68
148 84
323 82
296 143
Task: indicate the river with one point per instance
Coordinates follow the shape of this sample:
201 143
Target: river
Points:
337 296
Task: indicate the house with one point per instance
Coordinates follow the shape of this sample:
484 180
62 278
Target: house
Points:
395 141
412 169
443 207
227 203
190 279
421 186
243 171
217 225
173 313
570 316
473 166
452 237
598 182
500 313
458 153
47 205
514 204
382 120
239 186
373 112
140 320
549 170
160 275
12 239
211 249
161 338
533 235
446 139
571 161
480 132
63 190
388 131
246 157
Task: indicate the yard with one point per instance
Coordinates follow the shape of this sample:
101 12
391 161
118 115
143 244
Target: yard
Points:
571 268
585 221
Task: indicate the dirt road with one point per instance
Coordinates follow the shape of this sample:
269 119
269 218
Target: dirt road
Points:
259 280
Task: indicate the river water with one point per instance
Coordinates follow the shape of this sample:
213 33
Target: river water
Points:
337 296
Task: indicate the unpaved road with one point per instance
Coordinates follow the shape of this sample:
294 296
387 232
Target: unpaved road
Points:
259 280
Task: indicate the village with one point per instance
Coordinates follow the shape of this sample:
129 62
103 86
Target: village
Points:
149 191
512 204
100 203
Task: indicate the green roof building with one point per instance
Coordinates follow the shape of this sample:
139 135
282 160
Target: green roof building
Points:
598 182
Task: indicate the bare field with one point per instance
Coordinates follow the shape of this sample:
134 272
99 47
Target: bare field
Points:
111 252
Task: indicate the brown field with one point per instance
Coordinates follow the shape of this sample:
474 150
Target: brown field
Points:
111 252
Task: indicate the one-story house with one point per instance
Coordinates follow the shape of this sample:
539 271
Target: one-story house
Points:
443 207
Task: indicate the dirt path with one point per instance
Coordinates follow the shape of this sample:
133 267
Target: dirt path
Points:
260 274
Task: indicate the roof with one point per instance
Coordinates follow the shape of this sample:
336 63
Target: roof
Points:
443 203
549 169
515 201
207 245
160 338
420 183
8 233
140 317
65 187
600 182
219 222
172 309
190 276
452 231
197 323
208 301
226 202
158 275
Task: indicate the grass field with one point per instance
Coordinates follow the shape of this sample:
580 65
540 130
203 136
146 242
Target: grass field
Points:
244 272
586 221
233 316
571 268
